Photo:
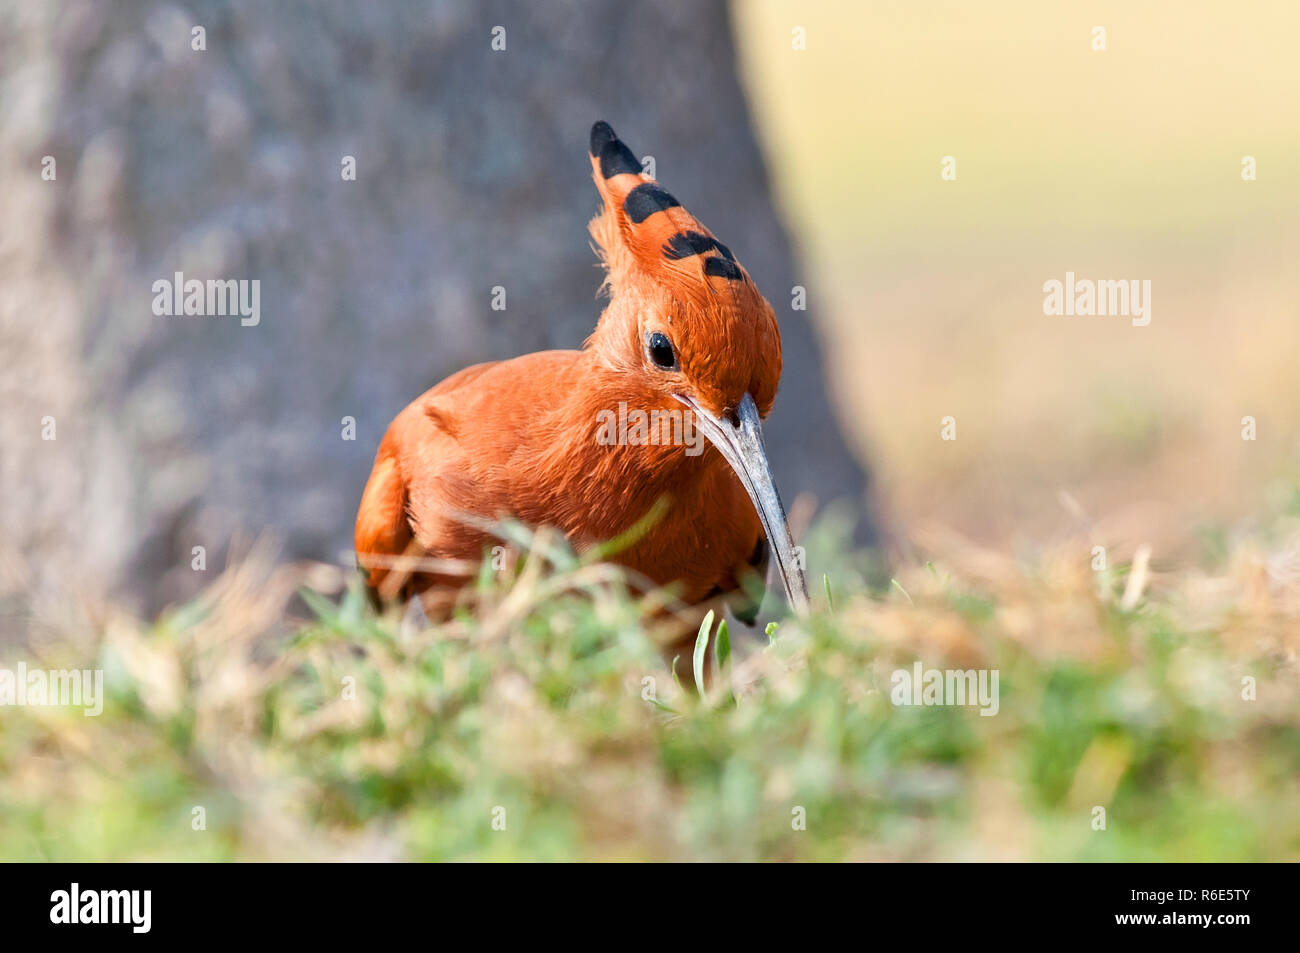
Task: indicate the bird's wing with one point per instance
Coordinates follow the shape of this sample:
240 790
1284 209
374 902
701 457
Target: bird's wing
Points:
382 528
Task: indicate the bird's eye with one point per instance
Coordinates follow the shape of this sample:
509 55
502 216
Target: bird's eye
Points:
661 351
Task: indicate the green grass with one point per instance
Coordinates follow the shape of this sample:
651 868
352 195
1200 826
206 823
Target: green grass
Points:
543 725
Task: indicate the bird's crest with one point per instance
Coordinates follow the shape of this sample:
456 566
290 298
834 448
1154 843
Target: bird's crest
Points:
643 228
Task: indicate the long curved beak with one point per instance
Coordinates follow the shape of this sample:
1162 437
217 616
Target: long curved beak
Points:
741 445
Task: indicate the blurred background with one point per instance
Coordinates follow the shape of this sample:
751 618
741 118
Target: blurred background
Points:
809 136
469 126
1122 163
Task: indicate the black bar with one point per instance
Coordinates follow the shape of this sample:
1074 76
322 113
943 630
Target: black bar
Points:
330 902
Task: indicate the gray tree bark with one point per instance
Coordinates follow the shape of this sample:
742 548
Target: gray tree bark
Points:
174 432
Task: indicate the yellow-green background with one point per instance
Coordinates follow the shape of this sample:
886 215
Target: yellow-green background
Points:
1117 164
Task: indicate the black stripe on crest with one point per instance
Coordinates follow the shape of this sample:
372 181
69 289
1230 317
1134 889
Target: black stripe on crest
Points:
722 268
644 200
601 133
686 244
615 157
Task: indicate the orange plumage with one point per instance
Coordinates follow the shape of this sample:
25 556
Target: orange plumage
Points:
528 438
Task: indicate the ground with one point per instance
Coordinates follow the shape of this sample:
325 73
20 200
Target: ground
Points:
543 725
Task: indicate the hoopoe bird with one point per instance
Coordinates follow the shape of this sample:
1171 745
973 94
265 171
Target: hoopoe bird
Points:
686 338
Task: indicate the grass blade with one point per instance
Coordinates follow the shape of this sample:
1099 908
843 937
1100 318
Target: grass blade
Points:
701 645
722 645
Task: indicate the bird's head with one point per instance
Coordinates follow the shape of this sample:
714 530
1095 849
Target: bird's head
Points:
688 328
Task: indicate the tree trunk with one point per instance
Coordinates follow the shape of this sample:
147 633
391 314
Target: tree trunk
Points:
176 432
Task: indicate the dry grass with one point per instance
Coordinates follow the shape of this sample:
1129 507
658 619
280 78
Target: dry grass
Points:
1113 694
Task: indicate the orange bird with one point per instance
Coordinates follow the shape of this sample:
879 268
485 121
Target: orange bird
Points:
686 343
